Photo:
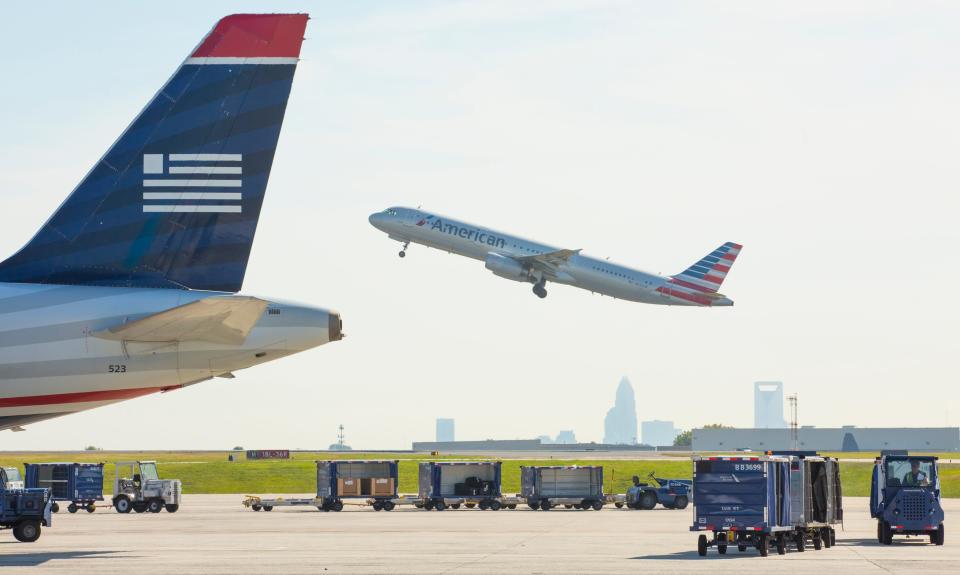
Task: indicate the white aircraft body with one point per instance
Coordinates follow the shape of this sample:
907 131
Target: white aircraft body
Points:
522 260
130 287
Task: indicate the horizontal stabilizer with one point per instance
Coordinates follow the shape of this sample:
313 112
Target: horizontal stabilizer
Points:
217 319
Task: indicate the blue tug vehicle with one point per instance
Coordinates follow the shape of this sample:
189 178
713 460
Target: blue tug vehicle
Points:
905 497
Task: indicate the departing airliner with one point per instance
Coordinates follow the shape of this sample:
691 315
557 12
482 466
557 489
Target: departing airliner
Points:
525 261
130 287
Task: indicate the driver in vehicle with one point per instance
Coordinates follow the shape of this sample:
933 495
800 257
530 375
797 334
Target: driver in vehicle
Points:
915 476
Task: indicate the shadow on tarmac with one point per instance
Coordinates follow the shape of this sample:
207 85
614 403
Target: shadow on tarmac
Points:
35 559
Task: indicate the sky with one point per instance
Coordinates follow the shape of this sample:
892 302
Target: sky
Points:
823 136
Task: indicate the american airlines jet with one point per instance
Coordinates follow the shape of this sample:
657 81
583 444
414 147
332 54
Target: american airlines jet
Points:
130 287
525 261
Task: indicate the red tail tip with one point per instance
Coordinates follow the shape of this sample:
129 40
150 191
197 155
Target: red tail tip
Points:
254 36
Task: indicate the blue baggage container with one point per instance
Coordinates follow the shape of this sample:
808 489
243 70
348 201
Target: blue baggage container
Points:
79 483
474 483
341 479
545 487
742 501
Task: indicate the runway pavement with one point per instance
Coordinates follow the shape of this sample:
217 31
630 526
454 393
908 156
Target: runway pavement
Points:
215 534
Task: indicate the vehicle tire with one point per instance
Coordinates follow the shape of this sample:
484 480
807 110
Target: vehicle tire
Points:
122 504
336 506
534 505
377 506
139 507
91 507
619 505
389 505
428 505
257 507
741 548
439 505
648 500
681 502
801 542
880 531
722 548
470 505
570 506
455 506
940 535
484 505
545 505
833 537
155 506
817 542
55 507
268 507
495 505
763 545
172 507
72 508
886 534
781 545
512 506
27 531
825 535
597 505
702 545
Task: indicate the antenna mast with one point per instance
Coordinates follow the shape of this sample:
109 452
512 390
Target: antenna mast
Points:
794 427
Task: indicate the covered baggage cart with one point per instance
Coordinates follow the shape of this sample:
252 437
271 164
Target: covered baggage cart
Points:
742 501
573 486
815 498
445 484
79 483
376 481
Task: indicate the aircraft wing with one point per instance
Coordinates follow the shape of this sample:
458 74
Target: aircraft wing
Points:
550 262
217 319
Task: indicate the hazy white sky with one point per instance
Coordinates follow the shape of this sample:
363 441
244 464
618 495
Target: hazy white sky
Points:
821 135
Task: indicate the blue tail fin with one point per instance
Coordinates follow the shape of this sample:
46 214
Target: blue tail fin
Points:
175 202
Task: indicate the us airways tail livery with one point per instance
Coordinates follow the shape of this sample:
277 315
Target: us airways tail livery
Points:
129 288
525 261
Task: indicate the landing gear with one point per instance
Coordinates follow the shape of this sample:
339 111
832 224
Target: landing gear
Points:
540 289
403 252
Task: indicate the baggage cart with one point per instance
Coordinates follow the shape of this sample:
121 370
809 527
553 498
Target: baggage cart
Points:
572 486
445 484
81 484
375 481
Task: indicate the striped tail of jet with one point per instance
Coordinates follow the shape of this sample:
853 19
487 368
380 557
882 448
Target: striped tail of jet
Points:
699 283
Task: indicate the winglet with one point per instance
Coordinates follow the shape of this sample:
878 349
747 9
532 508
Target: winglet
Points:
254 36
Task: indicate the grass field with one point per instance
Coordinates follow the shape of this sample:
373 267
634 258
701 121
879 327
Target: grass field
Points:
210 472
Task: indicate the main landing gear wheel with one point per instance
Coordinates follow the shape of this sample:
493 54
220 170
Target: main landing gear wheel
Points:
540 290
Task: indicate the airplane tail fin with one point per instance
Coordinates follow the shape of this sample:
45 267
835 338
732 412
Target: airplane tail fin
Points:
175 201
708 274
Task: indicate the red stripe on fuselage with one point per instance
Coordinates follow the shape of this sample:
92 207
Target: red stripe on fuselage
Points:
684 296
78 397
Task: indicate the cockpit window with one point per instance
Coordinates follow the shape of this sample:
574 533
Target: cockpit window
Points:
390 211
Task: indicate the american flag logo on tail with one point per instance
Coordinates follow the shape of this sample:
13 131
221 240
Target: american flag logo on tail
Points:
698 284
192 183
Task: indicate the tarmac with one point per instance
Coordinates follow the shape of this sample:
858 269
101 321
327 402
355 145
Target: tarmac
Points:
214 534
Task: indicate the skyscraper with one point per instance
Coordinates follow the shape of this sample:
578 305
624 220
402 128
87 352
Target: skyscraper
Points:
658 432
445 430
620 425
768 405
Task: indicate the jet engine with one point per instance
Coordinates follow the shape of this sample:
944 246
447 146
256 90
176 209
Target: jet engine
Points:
507 267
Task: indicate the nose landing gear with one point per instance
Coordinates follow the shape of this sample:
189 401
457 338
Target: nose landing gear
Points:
403 252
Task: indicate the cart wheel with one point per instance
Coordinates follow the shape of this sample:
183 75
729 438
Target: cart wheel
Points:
597 505
763 546
72 508
336 506
833 537
817 542
257 507
825 535
268 507
155 506
880 531
428 505
376 506
545 505
139 507
648 500
619 505
741 548
512 506
495 505
389 505
801 542
681 502
27 531
702 545
439 505
470 505
940 535
533 505
91 507
570 506
722 548
456 506
781 545
55 507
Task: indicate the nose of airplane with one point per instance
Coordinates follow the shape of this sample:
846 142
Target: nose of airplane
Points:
378 220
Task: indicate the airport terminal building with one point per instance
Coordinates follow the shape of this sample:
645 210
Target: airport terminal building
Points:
847 438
